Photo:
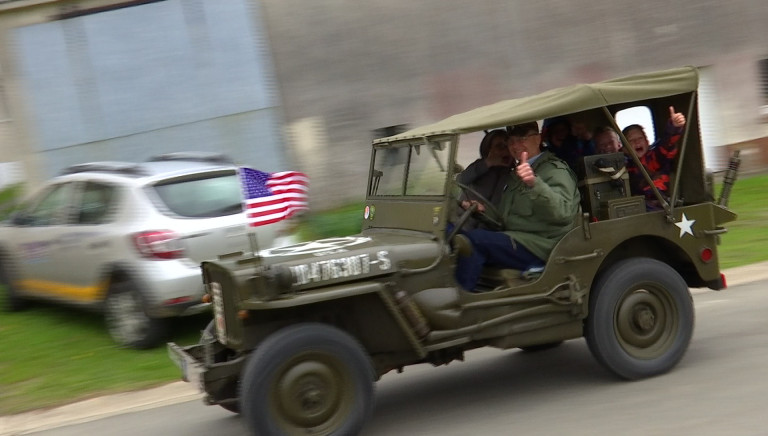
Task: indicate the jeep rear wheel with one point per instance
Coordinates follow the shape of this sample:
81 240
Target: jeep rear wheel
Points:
307 379
127 320
641 318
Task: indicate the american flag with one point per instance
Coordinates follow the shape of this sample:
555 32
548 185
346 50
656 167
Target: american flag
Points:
271 197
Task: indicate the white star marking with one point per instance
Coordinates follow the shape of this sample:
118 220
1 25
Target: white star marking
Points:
330 244
685 225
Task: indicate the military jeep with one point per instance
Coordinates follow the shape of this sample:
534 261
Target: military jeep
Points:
301 333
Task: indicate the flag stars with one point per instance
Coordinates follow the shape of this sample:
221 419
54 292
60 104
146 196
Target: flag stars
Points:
685 225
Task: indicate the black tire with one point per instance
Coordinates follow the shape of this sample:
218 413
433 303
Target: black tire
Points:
541 347
13 301
307 379
127 320
640 319
208 335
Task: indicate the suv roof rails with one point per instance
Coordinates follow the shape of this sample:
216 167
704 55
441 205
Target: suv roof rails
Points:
127 168
194 156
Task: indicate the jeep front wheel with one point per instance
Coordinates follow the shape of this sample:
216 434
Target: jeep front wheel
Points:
307 379
641 318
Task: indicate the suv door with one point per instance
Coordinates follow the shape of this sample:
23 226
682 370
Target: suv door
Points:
34 239
86 244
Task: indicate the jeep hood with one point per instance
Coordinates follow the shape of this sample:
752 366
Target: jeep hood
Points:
335 260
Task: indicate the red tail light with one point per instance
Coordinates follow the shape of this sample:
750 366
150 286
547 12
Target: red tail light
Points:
158 244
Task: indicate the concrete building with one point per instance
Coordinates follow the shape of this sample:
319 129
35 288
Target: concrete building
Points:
344 68
124 81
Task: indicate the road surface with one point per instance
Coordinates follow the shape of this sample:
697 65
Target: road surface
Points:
720 387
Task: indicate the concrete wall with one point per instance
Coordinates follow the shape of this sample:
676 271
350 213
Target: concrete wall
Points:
351 67
127 83
345 67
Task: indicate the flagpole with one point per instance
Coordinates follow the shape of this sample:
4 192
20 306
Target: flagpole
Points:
254 243
252 238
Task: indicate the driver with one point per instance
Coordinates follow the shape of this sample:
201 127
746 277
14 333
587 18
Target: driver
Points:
538 206
487 175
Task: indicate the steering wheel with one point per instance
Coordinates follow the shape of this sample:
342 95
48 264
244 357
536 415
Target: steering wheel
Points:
490 216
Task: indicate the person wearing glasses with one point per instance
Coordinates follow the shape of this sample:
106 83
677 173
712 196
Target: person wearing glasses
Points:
538 205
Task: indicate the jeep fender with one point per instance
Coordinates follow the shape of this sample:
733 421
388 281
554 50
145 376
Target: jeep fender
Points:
365 310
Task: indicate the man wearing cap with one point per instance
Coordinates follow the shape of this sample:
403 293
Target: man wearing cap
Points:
538 204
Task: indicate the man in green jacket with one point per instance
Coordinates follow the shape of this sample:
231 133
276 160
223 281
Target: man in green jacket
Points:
538 204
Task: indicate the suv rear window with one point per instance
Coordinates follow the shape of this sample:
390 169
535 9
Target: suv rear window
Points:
202 196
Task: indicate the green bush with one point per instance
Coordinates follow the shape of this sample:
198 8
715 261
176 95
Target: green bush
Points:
9 198
344 221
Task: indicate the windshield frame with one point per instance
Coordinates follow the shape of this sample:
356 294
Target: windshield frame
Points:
418 145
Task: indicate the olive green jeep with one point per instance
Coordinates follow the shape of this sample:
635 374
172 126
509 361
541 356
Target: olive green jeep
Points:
301 333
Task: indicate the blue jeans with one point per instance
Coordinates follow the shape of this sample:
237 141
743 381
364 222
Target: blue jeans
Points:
493 249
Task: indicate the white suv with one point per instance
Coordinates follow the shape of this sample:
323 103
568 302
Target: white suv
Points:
128 238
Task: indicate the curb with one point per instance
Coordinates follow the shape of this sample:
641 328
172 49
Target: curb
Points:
179 392
97 408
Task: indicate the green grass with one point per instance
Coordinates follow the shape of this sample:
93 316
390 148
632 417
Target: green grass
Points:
51 355
343 221
747 239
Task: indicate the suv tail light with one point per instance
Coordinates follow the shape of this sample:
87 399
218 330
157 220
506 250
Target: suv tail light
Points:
159 244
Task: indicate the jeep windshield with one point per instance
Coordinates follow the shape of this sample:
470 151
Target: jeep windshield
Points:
414 168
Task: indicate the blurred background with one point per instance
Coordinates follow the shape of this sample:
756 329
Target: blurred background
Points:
306 85
294 84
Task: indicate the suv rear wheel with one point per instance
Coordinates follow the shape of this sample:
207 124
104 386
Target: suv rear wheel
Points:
127 319
641 318
307 379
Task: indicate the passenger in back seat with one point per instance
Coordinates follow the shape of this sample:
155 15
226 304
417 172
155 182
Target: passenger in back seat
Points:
657 158
606 140
539 202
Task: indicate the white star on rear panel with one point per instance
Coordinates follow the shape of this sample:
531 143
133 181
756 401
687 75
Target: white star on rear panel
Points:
685 225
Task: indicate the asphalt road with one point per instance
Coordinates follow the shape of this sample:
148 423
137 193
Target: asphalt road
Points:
719 388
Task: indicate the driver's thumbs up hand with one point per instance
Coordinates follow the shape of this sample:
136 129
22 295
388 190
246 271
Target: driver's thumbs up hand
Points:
524 170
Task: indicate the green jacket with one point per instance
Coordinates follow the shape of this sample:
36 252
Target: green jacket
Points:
539 216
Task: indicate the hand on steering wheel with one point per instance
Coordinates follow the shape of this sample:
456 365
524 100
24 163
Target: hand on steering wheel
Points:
481 207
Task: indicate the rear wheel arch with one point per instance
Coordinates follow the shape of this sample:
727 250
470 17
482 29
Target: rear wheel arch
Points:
114 273
654 247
